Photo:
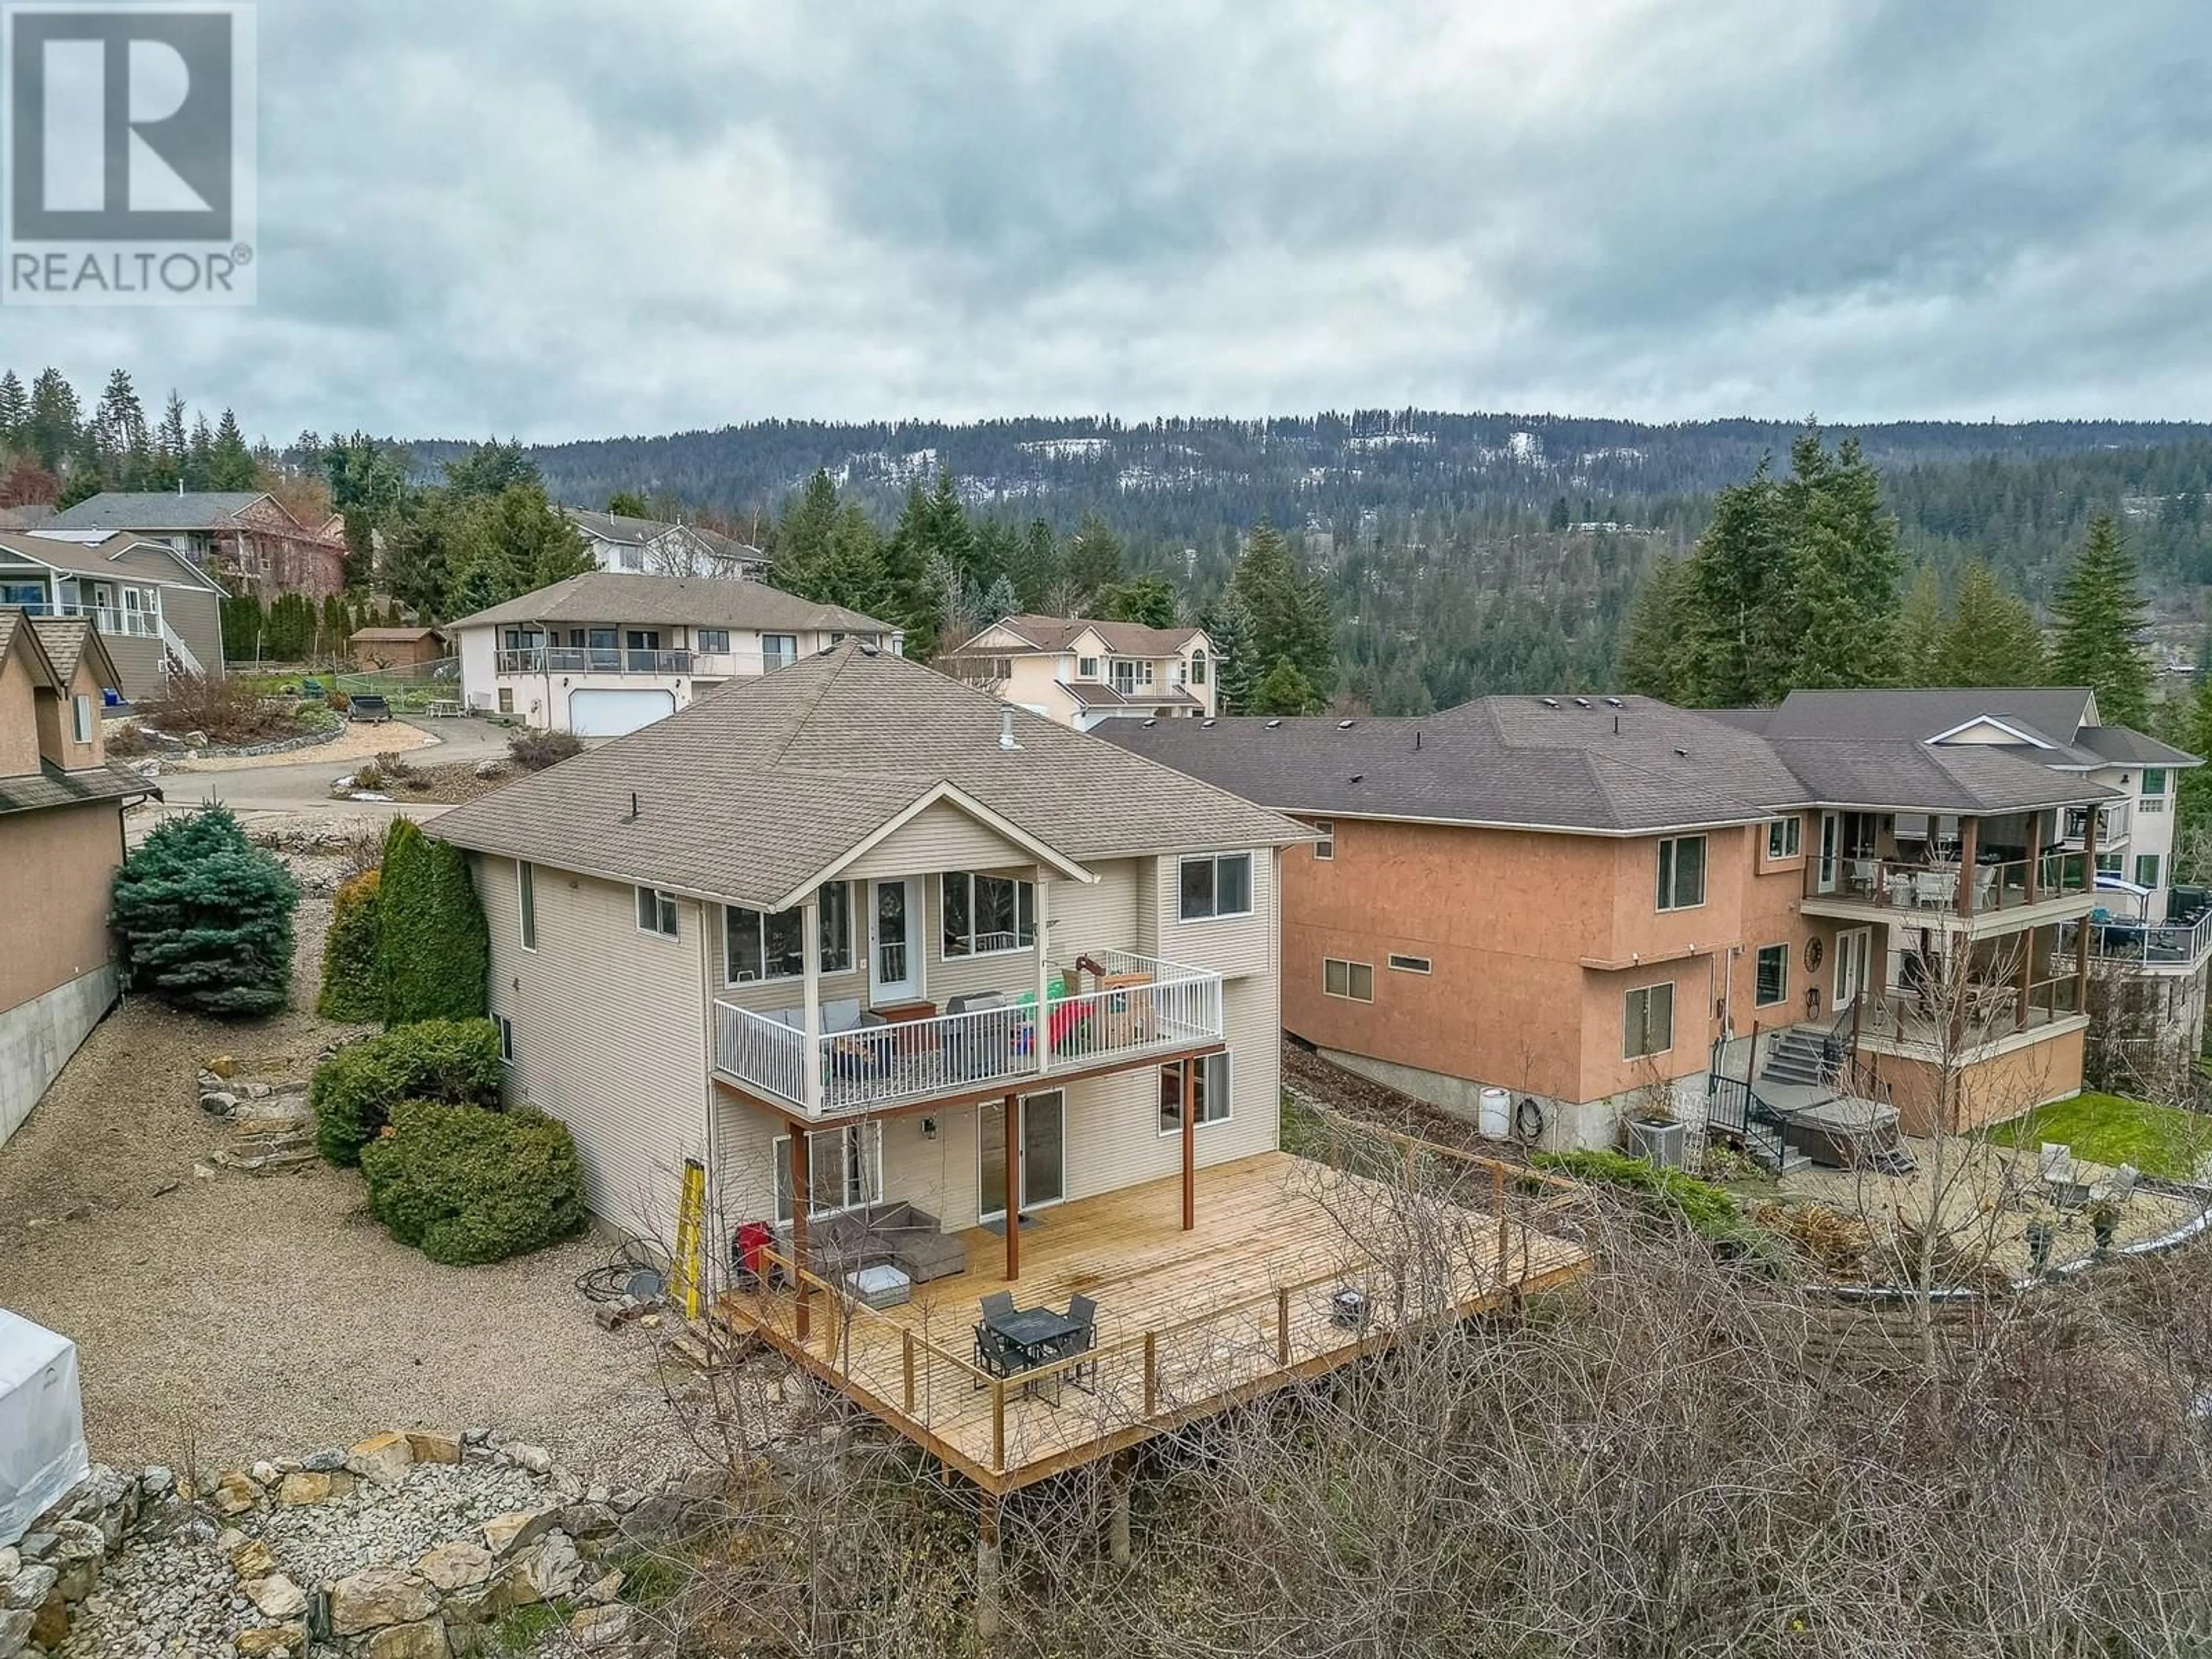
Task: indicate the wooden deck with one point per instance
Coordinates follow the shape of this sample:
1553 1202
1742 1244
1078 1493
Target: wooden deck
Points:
1188 1324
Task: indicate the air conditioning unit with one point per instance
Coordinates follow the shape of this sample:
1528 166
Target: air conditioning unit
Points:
1662 1144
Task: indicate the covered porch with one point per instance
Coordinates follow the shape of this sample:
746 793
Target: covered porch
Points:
1209 1291
1940 864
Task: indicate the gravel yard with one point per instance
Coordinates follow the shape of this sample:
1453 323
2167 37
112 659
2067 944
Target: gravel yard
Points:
352 742
266 1317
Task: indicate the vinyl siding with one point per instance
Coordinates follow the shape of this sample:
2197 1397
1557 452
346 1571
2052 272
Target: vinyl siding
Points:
610 1033
1234 945
940 838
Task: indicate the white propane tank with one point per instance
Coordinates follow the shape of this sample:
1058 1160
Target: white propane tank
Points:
1494 1117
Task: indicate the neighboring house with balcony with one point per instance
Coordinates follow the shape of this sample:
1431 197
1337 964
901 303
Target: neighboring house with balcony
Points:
651 547
246 537
603 653
61 841
156 610
1596 903
1083 673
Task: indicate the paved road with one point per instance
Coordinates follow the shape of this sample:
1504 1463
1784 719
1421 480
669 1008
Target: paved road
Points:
306 787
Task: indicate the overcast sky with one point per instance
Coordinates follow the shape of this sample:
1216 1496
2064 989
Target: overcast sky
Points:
558 220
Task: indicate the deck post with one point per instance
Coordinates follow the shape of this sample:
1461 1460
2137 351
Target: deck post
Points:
810 961
910 1371
1151 1370
1969 834
987 1570
801 1178
1042 1042
2034 857
1189 1147
2027 972
1014 1124
1117 1514
1283 1328
999 1425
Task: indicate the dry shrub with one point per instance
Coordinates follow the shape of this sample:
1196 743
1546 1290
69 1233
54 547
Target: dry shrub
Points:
125 741
1834 1243
537 749
399 771
228 711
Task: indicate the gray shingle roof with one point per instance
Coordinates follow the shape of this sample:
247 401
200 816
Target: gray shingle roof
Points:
52 786
608 596
2054 712
1624 765
755 788
156 510
2121 745
624 530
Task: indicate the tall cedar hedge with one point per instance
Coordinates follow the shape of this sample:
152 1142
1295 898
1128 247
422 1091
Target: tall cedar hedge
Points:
205 918
354 1092
434 952
349 984
465 1185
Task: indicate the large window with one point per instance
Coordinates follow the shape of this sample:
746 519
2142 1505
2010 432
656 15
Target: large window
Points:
714 641
1682 872
1774 978
759 946
1198 668
2146 869
1209 1081
1782 837
1648 1027
779 650
656 912
525 903
1352 981
844 1170
2153 781
983 914
1220 885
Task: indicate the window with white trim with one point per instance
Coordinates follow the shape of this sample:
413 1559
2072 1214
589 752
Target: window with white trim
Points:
1325 848
1681 873
1354 981
1209 1081
1198 668
1771 980
1783 838
656 912
526 901
778 651
714 641
506 1038
844 1170
2146 869
80 708
1648 1021
2153 781
1219 884
1086 668
981 915
1405 965
759 945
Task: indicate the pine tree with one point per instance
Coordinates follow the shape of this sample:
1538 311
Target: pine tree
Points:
119 433
1735 649
1920 630
910 604
50 429
2100 613
205 918
15 410
1093 562
1237 675
1036 567
854 574
951 535
1290 610
1844 566
199 457
230 463
803 538
1651 655
1992 639
999 600
1285 692
1148 600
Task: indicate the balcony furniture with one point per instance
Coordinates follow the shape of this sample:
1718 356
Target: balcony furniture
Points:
995 1356
1859 874
1900 886
1038 1336
2054 1165
981 1047
1932 889
1083 1314
902 1234
879 1285
2120 1189
1348 1308
1985 884
1129 1014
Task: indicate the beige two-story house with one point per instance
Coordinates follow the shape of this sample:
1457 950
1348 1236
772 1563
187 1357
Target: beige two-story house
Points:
606 653
1083 673
61 839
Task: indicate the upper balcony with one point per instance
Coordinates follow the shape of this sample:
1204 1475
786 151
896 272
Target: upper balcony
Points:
593 659
2173 946
1135 1009
1990 886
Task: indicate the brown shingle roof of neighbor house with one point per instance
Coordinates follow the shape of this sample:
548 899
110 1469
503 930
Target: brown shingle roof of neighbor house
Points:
64 639
754 790
1601 765
396 633
609 596
52 786
1055 633
624 530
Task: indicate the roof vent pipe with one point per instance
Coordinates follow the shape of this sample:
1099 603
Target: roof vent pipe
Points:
1006 729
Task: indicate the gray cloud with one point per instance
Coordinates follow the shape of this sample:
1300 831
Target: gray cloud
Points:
555 219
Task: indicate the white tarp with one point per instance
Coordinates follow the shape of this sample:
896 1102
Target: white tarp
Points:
42 1449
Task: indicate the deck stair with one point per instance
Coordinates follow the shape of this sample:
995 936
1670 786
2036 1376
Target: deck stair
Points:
1803 1060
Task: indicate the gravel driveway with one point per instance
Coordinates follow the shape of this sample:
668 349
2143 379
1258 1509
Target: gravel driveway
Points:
270 1316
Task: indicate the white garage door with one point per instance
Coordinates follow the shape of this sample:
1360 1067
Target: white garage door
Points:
611 714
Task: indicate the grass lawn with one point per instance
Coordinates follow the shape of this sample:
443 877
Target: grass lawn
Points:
2111 1129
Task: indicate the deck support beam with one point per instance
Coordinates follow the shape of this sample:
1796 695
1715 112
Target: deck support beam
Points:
1189 1147
1013 1122
1117 1513
801 1178
987 1570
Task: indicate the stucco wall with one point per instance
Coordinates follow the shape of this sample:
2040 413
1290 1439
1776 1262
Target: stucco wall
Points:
55 927
2016 1081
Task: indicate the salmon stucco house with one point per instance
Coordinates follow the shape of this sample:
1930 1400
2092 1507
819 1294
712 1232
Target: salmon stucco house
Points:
61 841
1597 904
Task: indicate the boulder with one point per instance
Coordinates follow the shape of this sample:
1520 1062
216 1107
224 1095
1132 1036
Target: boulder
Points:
379 1596
49 1624
323 1462
266 1639
29 1587
35 1545
383 1458
517 1529
157 1483
425 1640
491 766
535 1459
430 1447
220 1101
456 1566
266 1473
596 1629
277 1596
78 1551
235 1494
313 1486
222 1065
553 1565
602 1590
587 1520
15 1631
250 1559
11 1562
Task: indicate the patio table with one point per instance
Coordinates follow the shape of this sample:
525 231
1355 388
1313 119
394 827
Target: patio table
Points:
1035 1331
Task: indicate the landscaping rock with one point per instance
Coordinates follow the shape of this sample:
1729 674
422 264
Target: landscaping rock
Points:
424 1640
14 1632
30 1587
587 1520
157 1483
307 1487
383 1458
35 1545
251 1560
323 1462
603 1589
597 1629
456 1566
277 1597
266 1639
372 1600
535 1459
554 1566
429 1448
505 1534
491 766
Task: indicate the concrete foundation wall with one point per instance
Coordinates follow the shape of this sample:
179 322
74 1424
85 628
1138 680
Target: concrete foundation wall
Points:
1568 1124
37 1038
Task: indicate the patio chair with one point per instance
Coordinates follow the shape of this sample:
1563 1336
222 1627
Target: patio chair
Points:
1083 1312
1934 889
2054 1161
2120 1189
994 1355
999 1304
1985 884
1859 874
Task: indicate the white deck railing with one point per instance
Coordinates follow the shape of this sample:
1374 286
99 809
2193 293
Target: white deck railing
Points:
879 1064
